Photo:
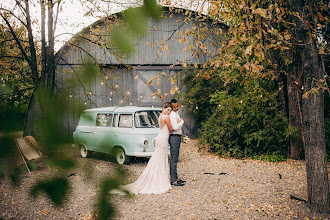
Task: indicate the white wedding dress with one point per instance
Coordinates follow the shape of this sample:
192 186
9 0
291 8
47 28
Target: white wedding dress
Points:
155 178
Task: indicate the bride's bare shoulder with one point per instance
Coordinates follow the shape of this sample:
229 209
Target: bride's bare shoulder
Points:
163 116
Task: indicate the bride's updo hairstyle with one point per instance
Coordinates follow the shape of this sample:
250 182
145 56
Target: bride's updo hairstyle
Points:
166 105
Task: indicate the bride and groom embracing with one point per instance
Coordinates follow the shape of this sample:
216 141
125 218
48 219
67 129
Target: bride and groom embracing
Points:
158 177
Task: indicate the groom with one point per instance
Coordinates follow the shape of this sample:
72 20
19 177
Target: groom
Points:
175 141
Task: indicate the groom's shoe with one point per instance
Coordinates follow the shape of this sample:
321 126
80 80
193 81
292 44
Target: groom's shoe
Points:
181 181
177 184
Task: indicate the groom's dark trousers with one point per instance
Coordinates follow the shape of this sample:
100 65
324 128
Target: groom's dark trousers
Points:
175 142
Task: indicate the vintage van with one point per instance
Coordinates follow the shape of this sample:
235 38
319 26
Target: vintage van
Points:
123 132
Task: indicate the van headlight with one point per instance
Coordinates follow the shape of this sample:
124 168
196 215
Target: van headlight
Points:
145 143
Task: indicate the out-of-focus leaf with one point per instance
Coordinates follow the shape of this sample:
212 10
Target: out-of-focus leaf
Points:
16 173
62 163
32 165
152 8
105 209
136 20
88 72
56 189
121 39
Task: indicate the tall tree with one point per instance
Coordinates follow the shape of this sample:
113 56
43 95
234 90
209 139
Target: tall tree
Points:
21 13
290 28
311 70
16 75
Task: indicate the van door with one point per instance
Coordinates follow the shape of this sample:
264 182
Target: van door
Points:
84 134
102 130
123 132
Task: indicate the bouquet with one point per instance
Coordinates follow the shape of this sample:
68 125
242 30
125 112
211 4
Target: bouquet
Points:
185 139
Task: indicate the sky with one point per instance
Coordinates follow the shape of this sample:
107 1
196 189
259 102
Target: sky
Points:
74 20
73 16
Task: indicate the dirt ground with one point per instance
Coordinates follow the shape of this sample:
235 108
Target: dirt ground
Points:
215 189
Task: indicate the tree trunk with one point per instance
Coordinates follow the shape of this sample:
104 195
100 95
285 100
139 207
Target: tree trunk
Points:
50 51
43 42
294 86
313 113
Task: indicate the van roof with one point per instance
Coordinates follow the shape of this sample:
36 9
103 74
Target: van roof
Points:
128 109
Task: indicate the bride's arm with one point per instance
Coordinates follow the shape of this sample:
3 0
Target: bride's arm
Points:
168 123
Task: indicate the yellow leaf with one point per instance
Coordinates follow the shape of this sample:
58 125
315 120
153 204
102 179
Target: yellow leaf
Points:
137 76
196 65
153 94
262 12
45 212
184 64
247 210
322 51
248 50
174 89
259 53
306 94
173 79
231 43
150 81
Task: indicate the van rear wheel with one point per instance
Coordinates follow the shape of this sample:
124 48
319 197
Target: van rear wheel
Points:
84 152
121 157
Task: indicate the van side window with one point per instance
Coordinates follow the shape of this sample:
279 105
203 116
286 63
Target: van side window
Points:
115 121
126 120
104 120
86 119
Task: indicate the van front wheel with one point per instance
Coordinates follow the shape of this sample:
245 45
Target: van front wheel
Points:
121 157
84 152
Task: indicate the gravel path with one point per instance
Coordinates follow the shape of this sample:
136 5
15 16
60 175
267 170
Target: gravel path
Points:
250 190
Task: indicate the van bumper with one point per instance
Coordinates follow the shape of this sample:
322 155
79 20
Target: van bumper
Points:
145 154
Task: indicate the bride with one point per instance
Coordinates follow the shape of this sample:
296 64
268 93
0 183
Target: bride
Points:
155 178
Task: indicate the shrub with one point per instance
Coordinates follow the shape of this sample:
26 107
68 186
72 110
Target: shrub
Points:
246 123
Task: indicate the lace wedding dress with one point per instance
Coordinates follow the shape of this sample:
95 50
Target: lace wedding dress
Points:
155 178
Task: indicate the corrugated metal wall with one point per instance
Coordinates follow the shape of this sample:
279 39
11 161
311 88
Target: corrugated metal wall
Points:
123 81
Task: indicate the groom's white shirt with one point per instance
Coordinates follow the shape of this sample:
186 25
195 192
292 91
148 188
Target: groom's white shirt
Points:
174 116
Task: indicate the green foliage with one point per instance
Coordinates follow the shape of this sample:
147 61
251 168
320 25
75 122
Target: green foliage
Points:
271 157
15 82
198 96
246 123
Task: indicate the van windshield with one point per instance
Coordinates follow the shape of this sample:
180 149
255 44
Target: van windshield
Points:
147 119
